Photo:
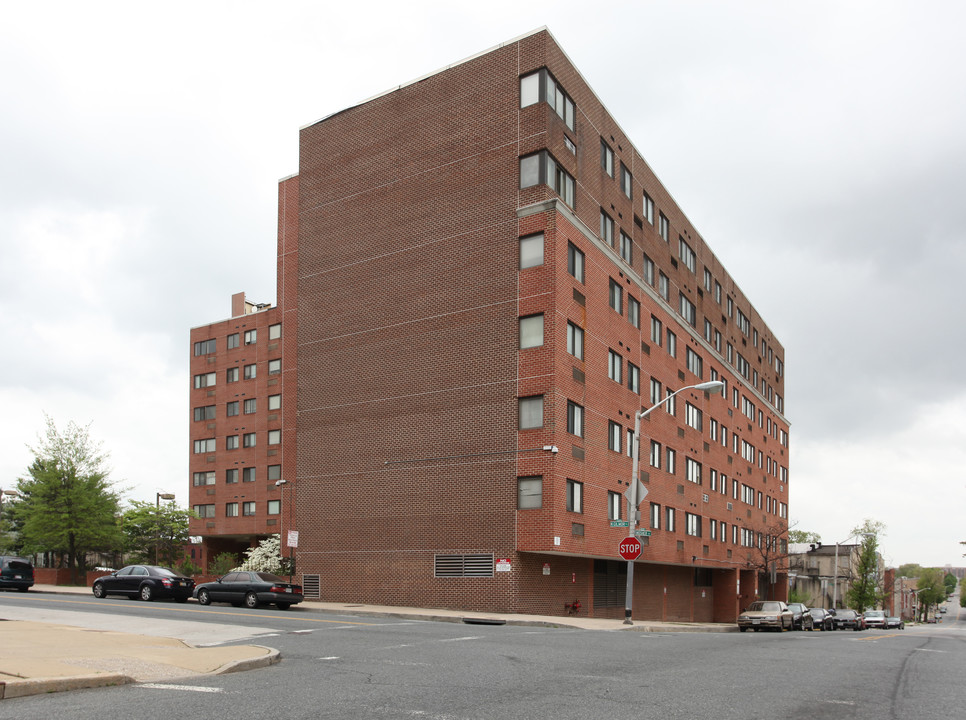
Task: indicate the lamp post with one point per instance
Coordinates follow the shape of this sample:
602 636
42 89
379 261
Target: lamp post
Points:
158 497
633 499
835 582
280 484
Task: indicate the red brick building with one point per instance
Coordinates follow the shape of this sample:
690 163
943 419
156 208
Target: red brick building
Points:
488 282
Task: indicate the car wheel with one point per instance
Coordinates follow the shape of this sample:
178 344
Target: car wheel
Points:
283 606
741 629
204 598
99 590
181 599
147 593
23 589
251 600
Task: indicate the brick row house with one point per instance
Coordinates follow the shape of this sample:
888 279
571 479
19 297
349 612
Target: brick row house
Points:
481 281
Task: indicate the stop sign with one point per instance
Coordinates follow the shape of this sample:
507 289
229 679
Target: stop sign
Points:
630 548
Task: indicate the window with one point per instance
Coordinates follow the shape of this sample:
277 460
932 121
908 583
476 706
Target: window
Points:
275 331
274 402
204 446
606 158
655 516
692 471
633 378
693 416
274 507
648 209
575 262
606 228
204 511
531 331
626 248
541 168
664 227
708 330
251 405
615 365
204 413
657 331
248 508
713 526
248 440
274 437
205 347
633 311
655 454
248 474
692 524
231 442
531 412
657 391
232 375
231 476
648 271
203 478
707 279
686 254
204 380
231 409
575 341
575 419
231 509
614 433
671 458
274 367
274 472
233 341
630 442
541 83
672 344
694 362
669 519
530 492
626 181
617 297
717 292
613 505
575 496
687 310
250 371
250 336
663 286
531 251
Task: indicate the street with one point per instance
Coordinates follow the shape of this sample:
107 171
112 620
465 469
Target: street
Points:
366 667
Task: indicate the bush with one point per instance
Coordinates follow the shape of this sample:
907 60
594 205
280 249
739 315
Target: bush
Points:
188 568
223 563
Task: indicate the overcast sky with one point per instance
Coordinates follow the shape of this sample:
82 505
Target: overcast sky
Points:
819 148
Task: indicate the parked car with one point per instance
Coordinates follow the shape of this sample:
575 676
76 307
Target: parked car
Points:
822 619
147 582
895 622
16 572
801 620
942 609
874 618
250 589
770 614
849 620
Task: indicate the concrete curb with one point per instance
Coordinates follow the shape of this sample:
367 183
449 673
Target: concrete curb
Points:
40 686
273 657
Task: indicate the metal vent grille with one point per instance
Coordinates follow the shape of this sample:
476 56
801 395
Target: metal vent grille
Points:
312 586
463 565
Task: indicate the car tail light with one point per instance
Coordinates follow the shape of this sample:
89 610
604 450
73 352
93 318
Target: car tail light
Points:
166 582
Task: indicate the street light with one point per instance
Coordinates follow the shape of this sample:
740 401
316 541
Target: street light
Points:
158 497
835 584
632 500
280 484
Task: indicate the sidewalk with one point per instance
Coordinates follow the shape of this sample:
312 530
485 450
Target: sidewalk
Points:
42 657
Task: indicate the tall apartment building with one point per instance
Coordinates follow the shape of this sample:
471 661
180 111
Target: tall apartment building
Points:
484 281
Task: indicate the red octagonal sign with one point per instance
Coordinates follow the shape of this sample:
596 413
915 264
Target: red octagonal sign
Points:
630 548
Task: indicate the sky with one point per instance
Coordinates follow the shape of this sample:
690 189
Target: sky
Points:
819 148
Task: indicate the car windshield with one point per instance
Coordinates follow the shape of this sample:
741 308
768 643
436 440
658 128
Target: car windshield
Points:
874 613
816 611
846 613
764 607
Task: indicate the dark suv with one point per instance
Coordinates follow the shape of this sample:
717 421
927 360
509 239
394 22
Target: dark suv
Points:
16 572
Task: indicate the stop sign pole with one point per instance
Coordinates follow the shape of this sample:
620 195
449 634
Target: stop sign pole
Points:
633 500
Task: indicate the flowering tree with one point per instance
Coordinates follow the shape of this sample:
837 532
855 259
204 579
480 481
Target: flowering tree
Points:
266 557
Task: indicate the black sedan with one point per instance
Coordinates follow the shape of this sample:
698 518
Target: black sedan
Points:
849 620
250 589
801 620
822 619
148 582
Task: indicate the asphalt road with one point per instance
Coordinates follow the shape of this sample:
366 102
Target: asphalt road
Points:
361 667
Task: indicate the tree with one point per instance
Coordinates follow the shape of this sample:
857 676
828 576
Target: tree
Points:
865 591
950 581
932 589
769 555
67 503
266 557
803 536
909 570
156 534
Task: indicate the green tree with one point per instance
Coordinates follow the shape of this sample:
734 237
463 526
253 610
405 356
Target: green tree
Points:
909 570
803 536
932 589
866 589
950 582
156 534
67 504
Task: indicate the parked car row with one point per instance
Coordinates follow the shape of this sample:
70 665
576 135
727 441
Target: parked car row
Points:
150 582
776 615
